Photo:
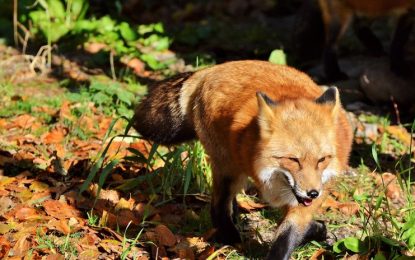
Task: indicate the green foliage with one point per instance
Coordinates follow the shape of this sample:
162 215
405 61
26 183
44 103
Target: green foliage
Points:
278 57
55 18
185 169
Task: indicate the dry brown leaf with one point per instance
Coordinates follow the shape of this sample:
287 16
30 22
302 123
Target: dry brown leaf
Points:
60 225
22 246
318 254
111 245
125 217
142 209
23 121
111 195
250 205
56 256
4 247
385 178
40 196
26 213
65 111
4 181
57 135
349 208
89 239
186 253
91 253
400 133
206 253
60 210
164 236
330 202
6 204
135 64
125 204
94 47
3 123
38 186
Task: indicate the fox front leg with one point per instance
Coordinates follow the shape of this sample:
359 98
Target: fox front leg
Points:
296 229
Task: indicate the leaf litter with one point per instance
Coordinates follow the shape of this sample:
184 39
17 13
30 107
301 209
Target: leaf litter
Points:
44 162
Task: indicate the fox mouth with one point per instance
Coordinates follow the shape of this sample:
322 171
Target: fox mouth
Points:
305 201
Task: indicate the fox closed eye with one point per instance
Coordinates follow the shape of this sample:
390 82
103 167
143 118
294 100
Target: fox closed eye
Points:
323 161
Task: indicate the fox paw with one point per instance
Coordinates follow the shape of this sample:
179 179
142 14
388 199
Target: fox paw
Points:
227 236
317 231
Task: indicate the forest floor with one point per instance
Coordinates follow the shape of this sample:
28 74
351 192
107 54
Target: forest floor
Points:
77 183
53 136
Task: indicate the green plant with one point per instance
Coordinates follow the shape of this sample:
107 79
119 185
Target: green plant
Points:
92 218
56 18
385 234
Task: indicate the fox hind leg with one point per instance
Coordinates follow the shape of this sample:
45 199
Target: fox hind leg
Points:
223 209
397 50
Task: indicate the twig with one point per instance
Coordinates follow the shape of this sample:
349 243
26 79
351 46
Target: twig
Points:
396 109
114 77
15 32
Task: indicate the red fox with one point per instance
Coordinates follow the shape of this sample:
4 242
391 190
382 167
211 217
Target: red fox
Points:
337 14
260 120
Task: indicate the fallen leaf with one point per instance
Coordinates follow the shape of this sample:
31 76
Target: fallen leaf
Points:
60 225
207 252
60 210
125 204
4 247
330 202
319 254
125 217
249 205
88 240
137 65
6 204
349 208
142 210
164 236
23 121
26 213
65 111
110 195
94 47
56 256
91 253
57 135
22 246
111 245
400 133
38 186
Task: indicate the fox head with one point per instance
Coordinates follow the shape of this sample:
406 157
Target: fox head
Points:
296 153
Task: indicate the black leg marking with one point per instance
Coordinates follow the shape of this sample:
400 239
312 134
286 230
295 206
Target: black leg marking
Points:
331 65
284 245
235 210
317 231
368 38
400 38
221 214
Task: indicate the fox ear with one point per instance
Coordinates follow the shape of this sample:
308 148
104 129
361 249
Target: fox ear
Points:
330 97
265 113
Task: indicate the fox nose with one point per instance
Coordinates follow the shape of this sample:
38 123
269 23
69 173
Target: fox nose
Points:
313 194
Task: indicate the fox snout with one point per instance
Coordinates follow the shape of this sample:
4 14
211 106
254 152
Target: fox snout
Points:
304 195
